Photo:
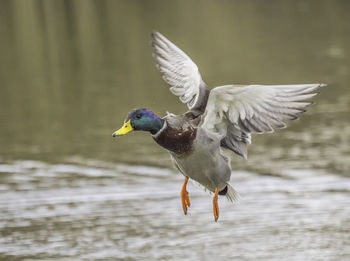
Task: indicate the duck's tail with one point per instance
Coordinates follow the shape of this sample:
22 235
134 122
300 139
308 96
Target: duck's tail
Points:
232 195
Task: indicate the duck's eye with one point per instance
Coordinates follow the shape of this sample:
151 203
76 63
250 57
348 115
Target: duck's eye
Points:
138 116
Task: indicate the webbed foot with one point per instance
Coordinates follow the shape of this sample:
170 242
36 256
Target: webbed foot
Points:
215 205
185 200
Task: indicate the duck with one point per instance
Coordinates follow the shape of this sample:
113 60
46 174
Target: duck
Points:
217 119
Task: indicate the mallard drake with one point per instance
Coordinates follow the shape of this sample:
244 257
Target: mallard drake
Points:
224 117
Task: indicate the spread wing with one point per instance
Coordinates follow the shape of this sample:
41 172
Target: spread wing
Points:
181 73
234 112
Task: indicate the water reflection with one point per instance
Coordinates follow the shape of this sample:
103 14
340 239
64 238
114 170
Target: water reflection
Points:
70 72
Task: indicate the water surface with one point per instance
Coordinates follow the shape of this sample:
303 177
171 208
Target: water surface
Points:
106 211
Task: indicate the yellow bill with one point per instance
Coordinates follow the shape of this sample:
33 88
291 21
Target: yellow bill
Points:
123 130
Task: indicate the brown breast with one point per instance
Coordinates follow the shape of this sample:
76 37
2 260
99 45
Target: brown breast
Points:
176 140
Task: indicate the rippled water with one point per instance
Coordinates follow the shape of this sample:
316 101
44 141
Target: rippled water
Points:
70 71
103 211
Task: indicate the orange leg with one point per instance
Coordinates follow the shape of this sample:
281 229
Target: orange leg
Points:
215 205
184 196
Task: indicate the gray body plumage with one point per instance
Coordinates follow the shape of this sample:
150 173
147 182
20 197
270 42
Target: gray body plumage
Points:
204 162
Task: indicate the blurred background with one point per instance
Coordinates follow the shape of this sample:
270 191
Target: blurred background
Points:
70 71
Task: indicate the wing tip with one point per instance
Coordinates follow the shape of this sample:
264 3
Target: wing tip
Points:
154 33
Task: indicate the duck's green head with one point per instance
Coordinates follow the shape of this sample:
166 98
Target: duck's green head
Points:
140 120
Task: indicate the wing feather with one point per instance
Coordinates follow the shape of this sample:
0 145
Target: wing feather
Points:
181 73
235 112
